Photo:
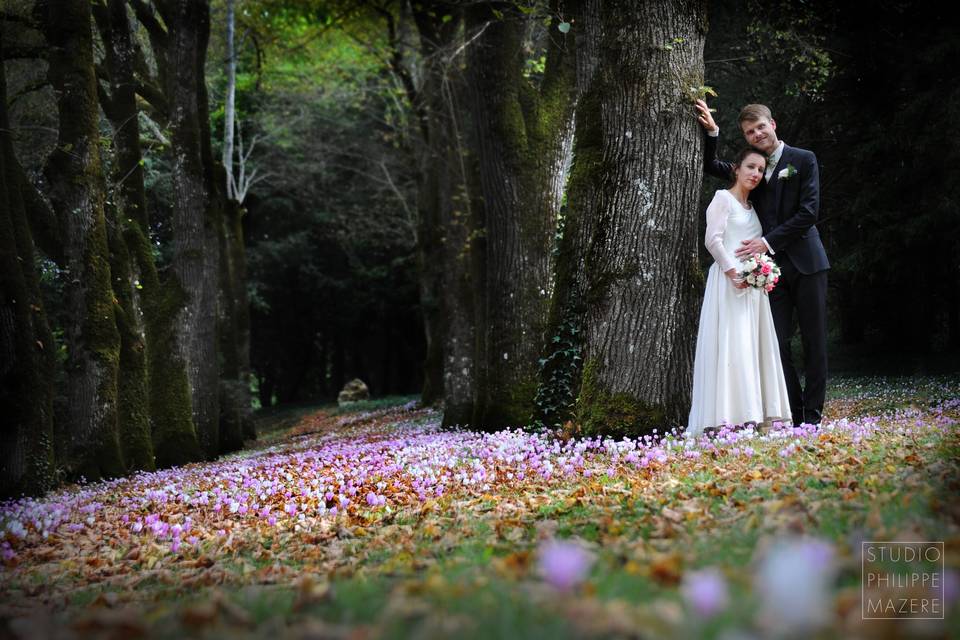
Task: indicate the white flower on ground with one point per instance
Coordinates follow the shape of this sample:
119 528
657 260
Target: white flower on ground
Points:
793 582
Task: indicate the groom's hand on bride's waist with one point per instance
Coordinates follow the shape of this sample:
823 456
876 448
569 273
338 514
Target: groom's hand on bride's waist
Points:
751 247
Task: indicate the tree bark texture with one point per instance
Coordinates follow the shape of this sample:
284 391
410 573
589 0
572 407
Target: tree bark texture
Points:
444 210
234 377
150 314
524 136
26 344
77 192
627 272
196 211
120 108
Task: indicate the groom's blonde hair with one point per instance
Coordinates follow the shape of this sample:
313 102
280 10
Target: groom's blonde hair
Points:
753 112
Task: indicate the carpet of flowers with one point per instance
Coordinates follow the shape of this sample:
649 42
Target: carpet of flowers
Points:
388 495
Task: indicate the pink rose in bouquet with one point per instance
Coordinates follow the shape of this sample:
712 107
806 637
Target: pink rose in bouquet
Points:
760 272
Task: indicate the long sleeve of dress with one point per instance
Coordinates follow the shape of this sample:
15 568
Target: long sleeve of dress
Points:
717 214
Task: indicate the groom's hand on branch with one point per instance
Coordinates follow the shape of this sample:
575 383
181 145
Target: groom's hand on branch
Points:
704 117
750 247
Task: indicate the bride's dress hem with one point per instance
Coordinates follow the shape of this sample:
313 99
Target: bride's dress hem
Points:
699 431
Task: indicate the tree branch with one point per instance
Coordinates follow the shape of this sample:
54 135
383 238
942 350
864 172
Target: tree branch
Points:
396 65
35 86
19 51
158 35
12 17
153 95
44 223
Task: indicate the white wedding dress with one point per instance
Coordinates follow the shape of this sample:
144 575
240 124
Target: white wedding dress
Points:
737 375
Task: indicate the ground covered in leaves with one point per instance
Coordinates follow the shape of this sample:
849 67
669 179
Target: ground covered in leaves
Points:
375 523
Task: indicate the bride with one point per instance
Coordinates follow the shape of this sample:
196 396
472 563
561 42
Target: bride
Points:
737 375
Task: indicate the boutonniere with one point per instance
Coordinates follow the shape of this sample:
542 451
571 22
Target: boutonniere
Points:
786 174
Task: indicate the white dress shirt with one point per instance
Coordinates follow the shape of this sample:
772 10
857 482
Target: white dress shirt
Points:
773 160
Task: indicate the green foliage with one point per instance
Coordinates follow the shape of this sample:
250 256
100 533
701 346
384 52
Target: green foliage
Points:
794 35
330 233
559 373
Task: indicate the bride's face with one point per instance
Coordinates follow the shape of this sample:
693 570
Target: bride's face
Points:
750 171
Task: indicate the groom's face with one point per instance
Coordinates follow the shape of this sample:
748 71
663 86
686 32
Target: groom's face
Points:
761 133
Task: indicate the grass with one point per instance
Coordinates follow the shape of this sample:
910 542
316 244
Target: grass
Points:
466 565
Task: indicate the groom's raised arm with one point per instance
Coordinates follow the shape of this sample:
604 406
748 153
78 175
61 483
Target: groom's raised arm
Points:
717 168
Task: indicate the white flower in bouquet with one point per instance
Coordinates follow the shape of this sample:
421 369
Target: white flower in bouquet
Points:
760 271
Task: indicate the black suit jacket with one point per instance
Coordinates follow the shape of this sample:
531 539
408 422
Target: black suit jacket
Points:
788 208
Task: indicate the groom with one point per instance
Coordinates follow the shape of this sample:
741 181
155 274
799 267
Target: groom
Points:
788 203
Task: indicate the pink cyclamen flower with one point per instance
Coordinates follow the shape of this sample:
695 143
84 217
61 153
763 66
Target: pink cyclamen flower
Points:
563 564
705 592
951 586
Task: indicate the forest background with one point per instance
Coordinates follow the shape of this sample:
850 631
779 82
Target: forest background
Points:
186 260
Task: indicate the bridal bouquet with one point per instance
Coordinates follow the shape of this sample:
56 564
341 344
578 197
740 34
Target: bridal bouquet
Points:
760 271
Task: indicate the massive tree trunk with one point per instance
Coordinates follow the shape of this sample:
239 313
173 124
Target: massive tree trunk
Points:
151 312
628 279
525 135
445 221
77 192
197 209
133 403
26 345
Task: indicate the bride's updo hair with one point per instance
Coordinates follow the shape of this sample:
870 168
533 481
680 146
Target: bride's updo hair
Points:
740 157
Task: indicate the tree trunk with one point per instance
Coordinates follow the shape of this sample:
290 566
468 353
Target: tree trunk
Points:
236 416
229 103
196 213
461 249
133 399
234 388
26 345
172 432
628 278
120 108
77 192
443 229
524 134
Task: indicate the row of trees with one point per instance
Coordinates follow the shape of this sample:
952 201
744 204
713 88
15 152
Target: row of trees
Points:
504 192
558 166
552 160
154 360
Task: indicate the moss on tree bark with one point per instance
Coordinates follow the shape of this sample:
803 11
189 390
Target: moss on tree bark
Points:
77 192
